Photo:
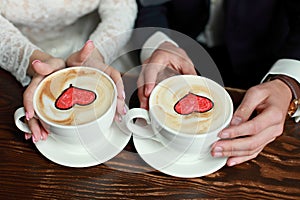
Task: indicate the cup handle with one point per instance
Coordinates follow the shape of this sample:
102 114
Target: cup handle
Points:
19 113
139 130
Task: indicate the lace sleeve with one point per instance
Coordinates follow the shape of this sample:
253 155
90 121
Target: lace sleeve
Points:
15 50
117 21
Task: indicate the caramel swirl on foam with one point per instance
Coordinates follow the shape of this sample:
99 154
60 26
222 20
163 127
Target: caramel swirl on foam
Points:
52 87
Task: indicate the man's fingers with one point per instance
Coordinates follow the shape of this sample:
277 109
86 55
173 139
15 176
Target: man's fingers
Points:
240 159
141 91
186 64
245 146
188 68
253 97
150 74
268 118
143 99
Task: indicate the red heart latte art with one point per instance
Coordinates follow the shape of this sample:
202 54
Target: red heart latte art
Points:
74 96
193 103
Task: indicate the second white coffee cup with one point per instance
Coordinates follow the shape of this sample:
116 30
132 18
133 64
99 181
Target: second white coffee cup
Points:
186 113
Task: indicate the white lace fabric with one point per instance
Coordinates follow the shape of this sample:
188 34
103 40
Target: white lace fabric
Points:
60 27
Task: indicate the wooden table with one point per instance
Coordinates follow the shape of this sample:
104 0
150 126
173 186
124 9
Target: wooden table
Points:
26 174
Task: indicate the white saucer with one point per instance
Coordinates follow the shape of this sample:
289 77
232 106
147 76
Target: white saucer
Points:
167 161
79 155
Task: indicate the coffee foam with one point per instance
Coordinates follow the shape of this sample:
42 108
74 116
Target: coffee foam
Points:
168 93
55 84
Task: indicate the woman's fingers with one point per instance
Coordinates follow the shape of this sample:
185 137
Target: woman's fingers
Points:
28 97
38 132
41 69
116 77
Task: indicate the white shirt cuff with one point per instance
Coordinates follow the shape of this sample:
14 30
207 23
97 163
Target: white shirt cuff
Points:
152 43
291 68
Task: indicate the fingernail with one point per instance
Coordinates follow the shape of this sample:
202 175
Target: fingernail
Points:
27 116
124 95
124 110
236 121
27 136
217 154
232 164
33 139
218 149
120 118
224 135
89 41
35 61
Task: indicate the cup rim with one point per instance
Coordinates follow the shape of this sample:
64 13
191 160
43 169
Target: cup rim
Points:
52 124
187 135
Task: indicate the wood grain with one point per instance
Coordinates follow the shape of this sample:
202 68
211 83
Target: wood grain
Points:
26 174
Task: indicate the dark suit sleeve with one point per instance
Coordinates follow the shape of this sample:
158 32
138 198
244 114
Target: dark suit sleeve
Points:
291 48
152 16
150 19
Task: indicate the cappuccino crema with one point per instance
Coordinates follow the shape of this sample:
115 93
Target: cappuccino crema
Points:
74 97
194 119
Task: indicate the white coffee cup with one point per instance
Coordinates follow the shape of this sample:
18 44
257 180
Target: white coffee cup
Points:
91 110
189 134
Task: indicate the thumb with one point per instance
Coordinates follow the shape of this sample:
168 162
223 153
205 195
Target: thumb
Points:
42 68
86 51
250 102
82 55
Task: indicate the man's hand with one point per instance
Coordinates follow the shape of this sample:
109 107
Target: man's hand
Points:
245 138
165 61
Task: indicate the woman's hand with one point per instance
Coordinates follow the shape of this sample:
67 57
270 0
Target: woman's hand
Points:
245 138
41 66
91 57
165 61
